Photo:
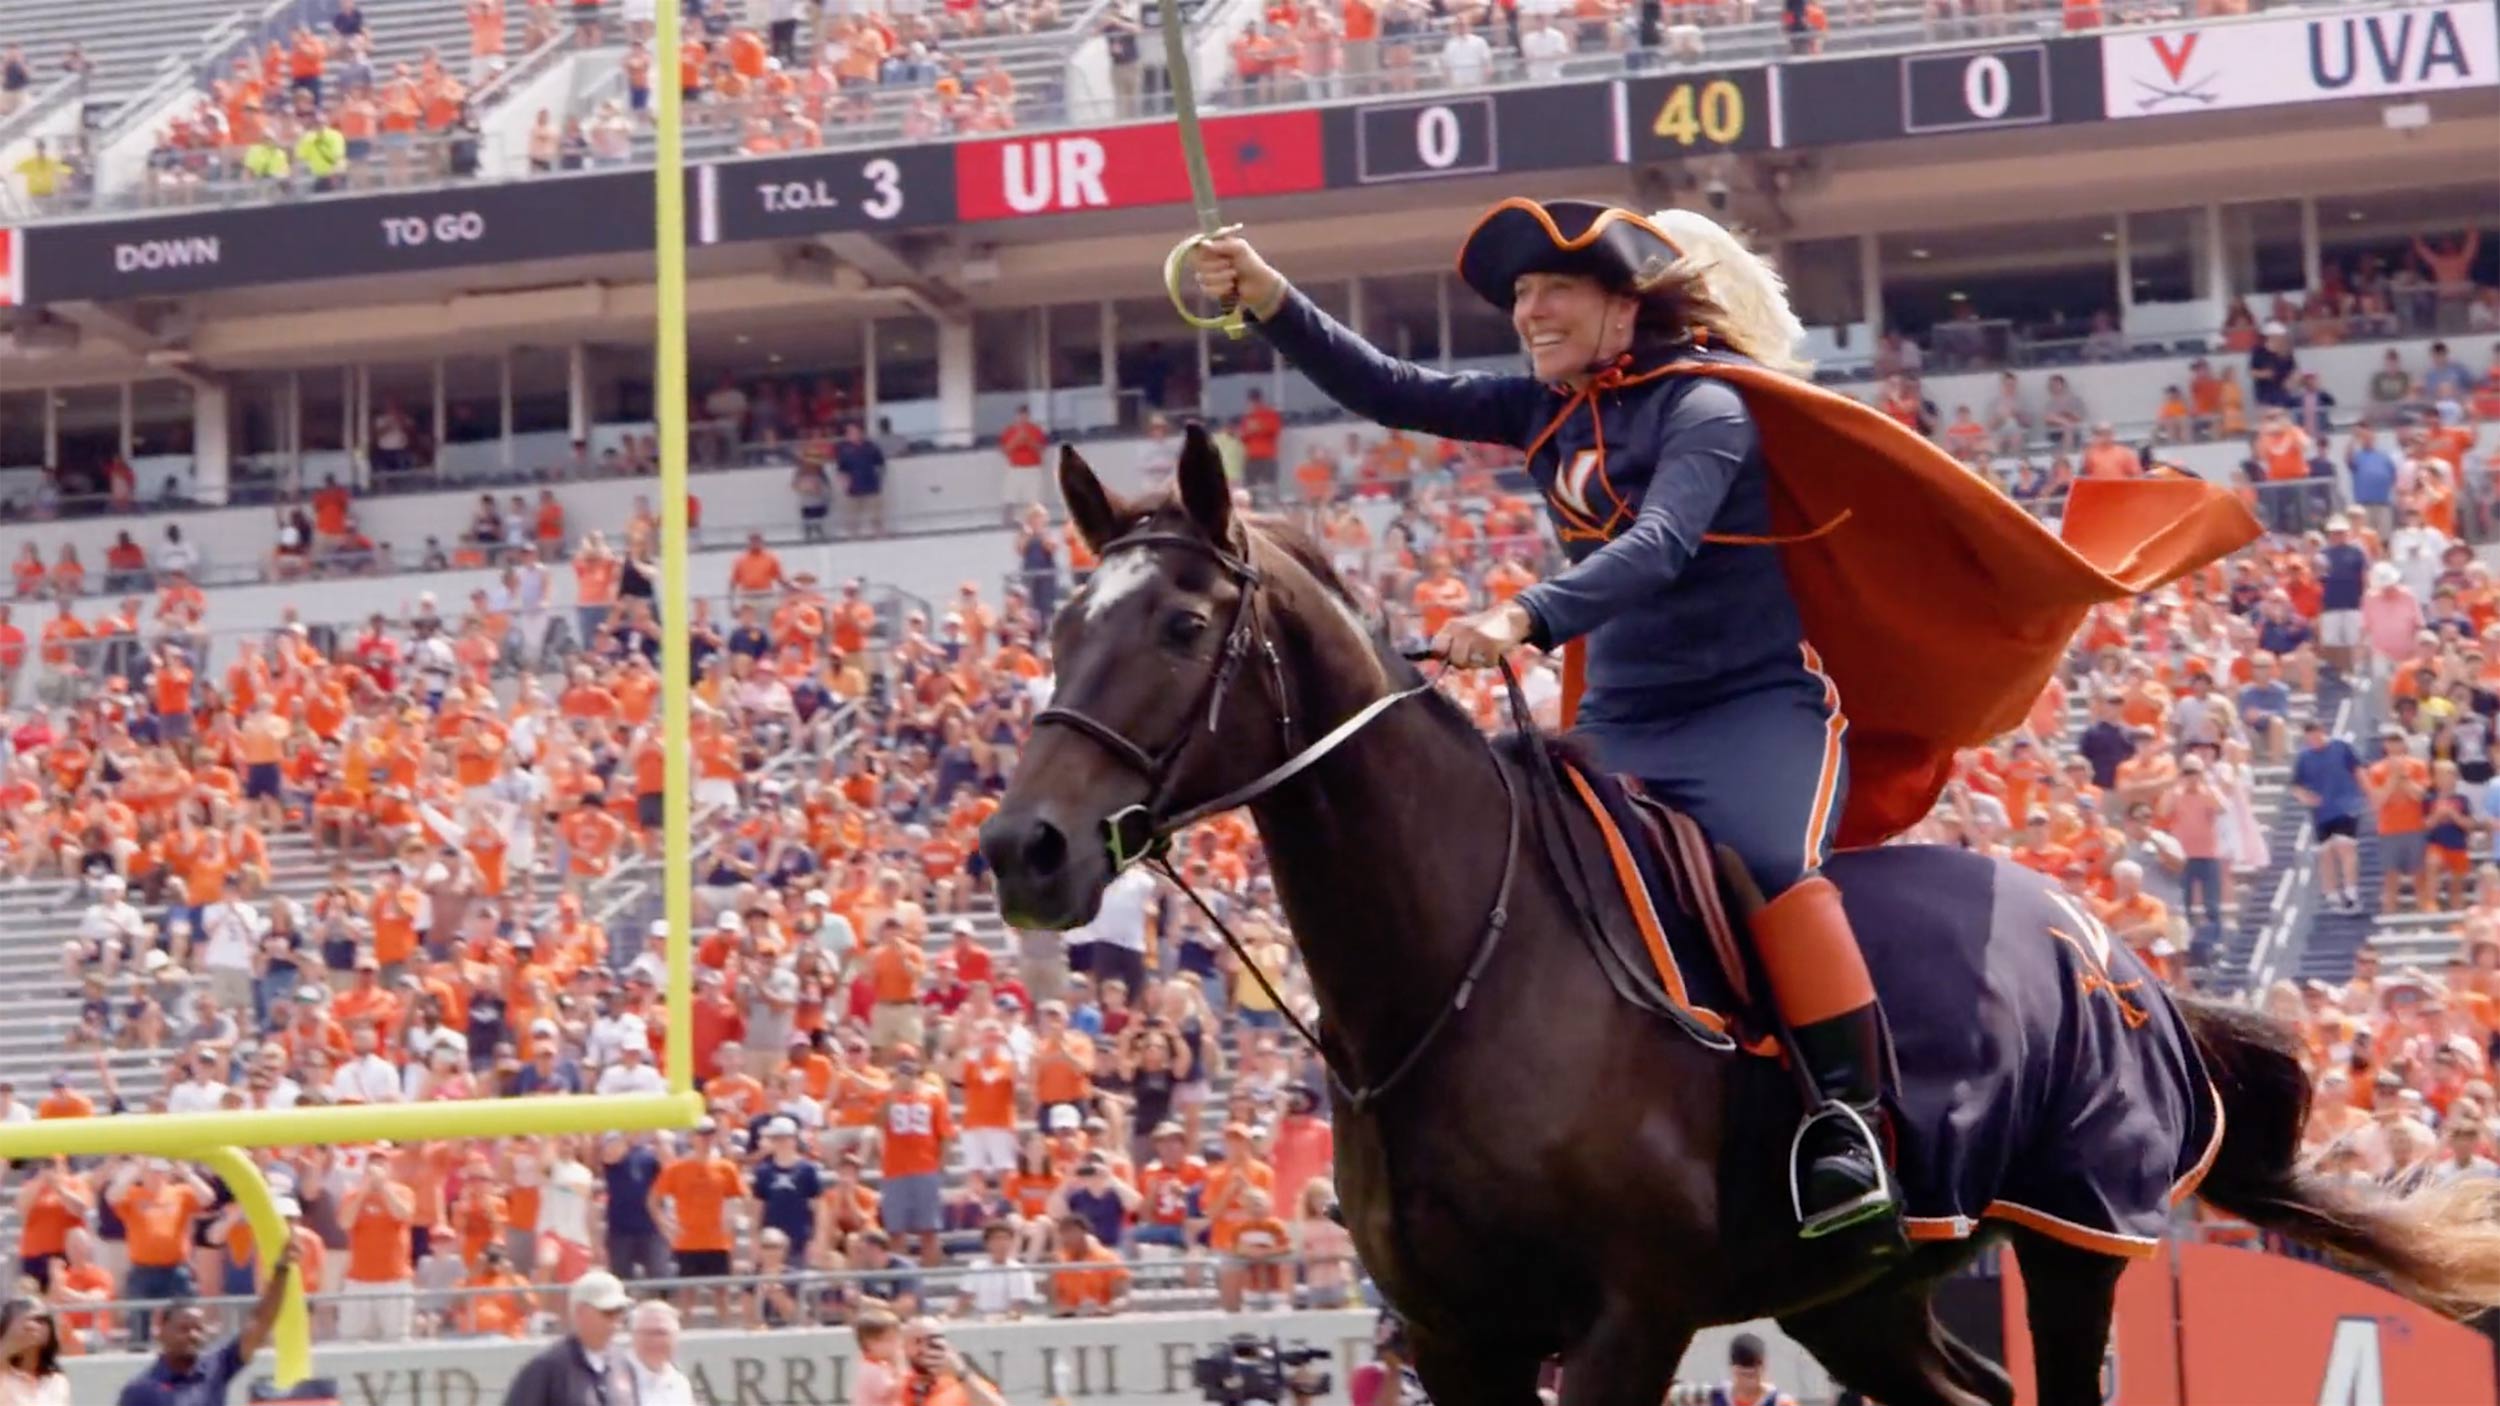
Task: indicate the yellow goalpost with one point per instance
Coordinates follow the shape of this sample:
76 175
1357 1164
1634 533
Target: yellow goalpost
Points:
215 1140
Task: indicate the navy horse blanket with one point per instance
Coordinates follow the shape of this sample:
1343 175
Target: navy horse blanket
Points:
2045 1077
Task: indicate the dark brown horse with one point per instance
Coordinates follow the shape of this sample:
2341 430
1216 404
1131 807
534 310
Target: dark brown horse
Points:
1554 1172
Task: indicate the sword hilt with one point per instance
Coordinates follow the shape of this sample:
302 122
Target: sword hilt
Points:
1175 282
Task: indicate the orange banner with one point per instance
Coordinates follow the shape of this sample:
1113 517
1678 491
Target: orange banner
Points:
2266 1331
2208 1325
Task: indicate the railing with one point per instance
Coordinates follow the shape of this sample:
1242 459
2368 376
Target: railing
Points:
2296 896
797 1297
537 61
38 104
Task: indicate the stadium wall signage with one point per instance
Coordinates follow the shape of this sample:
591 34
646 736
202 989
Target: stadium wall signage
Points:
1660 117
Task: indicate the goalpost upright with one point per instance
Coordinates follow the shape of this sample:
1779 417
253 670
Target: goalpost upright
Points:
216 1139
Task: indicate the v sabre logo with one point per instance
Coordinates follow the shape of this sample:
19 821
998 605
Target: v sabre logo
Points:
1572 484
2175 52
2174 59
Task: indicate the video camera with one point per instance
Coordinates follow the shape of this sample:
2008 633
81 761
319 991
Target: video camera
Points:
1251 1368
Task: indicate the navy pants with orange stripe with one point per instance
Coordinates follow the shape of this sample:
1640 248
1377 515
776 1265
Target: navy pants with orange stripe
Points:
1761 772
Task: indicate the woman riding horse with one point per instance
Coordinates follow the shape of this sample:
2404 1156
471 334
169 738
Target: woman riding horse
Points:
1700 679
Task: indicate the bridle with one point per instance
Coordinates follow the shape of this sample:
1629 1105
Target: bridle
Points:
1142 832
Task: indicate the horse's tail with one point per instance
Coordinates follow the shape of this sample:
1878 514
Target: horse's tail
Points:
2438 1245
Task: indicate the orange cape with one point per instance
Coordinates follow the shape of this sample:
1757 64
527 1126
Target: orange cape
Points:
1941 609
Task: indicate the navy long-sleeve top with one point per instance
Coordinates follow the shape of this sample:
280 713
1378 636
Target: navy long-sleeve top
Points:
1640 479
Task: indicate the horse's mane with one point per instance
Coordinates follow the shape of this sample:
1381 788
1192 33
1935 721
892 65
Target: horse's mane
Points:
1291 538
1305 551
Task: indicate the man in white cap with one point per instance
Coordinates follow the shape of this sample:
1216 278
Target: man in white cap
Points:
583 1366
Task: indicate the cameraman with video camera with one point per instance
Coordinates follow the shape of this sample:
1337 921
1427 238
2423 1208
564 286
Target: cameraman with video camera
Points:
1251 1368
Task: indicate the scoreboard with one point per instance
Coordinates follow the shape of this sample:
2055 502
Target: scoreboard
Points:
1646 116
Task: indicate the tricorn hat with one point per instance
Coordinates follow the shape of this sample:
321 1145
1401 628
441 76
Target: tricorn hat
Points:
1606 242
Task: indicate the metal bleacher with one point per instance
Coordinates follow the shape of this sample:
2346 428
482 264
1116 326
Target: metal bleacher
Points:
136 47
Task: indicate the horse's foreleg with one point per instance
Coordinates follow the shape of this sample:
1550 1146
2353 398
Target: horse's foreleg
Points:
2068 1295
1627 1359
1885 1343
1459 1370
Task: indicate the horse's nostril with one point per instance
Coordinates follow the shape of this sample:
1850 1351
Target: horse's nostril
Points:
1045 850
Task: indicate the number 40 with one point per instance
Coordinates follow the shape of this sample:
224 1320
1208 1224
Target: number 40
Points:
1714 113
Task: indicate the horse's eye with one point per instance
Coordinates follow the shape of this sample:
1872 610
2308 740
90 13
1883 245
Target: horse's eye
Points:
1183 627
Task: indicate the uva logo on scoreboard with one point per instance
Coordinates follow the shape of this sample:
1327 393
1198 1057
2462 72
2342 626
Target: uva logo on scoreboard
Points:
2381 53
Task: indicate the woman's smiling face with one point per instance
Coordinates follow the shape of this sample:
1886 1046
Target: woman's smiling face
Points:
1568 322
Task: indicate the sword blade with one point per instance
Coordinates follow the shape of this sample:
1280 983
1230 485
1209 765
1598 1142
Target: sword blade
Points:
1185 113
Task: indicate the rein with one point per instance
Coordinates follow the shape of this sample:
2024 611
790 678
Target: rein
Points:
1143 833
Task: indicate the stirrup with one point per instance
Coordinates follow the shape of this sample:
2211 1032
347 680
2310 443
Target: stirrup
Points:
1876 1202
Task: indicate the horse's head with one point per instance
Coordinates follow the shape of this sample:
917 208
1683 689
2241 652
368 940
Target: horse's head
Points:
1169 688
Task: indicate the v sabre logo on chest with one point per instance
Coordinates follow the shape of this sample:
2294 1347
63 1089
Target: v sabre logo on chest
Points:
1571 486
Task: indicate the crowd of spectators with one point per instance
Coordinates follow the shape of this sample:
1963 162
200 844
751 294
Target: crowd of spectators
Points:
913 1111
311 110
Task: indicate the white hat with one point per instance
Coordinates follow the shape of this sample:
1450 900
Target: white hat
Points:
781 1127
288 1207
155 961
659 927
818 898
599 1290
2337 522
1065 1119
2276 329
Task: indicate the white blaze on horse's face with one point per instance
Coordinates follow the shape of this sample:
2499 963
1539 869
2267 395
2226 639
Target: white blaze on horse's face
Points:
1116 580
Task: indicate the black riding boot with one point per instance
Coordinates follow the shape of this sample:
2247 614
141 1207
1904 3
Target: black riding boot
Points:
1837 1165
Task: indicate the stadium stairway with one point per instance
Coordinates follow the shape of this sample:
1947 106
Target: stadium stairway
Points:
126 40
39 1004
2263 894
2408 937
404 30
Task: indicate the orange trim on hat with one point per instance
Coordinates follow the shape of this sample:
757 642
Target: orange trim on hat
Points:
1612 214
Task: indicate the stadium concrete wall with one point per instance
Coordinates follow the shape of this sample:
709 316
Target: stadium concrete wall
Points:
1136 1361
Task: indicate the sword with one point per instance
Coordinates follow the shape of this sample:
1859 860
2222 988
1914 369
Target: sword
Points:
1201 181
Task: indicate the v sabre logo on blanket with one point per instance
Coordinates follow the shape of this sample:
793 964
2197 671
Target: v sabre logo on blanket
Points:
2382 53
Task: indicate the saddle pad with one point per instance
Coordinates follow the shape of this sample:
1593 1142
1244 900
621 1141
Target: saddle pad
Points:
2045 1078
1662 864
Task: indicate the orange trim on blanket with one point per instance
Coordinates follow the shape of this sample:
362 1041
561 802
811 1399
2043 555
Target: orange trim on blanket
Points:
2185 1186
1653 933
2082 1237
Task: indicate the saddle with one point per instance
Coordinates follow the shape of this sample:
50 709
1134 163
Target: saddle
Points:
1693 972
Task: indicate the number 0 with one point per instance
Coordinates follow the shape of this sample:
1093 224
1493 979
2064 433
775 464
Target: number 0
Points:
1437 138
1715 114
1987 89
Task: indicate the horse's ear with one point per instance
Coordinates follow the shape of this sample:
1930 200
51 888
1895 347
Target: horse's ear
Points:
1205 491
1090 505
